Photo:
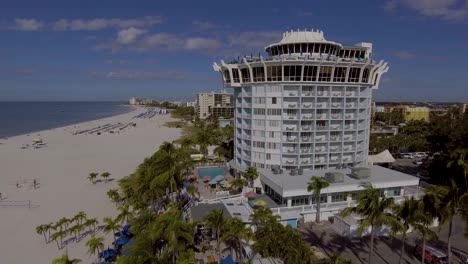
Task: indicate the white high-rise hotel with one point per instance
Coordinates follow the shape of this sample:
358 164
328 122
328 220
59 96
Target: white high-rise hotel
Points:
307 105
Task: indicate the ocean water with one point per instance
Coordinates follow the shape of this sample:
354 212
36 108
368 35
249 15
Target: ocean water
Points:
17 118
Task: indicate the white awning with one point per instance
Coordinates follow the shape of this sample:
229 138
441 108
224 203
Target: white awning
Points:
382 157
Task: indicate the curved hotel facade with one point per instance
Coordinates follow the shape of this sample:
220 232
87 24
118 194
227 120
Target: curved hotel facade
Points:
307 105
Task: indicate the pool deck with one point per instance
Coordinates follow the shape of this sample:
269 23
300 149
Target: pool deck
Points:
206 192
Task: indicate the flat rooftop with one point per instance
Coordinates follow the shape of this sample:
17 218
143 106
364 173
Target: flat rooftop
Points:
199 211
380 177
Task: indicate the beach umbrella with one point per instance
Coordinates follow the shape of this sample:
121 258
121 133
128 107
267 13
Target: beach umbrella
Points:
108 253
260 203
37 140
251 194
121 241
206 178
228 260
227 185
126 229
223 182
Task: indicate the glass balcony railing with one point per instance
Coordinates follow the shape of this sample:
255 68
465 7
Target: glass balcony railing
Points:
307 105
307 116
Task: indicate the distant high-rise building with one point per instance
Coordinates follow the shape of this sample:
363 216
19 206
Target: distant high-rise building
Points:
306 106
463 109
216 104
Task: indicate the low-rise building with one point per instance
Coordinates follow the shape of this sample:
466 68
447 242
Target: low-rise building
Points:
463 109
417 113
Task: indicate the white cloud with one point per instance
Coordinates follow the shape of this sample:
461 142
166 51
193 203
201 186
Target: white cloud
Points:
254 40
404 55
140 75
127 36
86 24
205 25
25 24
201 44
454 10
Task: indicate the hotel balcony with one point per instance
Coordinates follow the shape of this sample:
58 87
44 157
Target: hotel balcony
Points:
337 105
351 105
335 149
349 138
307 105
322 116
245 146
320 161
321 128
320 149
307 116
306 128
347 158
362 105
335 159
337 94
361 137
350 116
289 150
289 161
321 138
247 105
291 117
306 139
245 115
291 93
246 94
348 148
350 127
290 127
335 138
306 150
336 127
363 116
290 139
305 161
290 105
360 147
246 136
322 105
323 93
362 126
336 116
304 93
351 94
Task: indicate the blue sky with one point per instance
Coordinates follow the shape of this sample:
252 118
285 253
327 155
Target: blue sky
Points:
112 50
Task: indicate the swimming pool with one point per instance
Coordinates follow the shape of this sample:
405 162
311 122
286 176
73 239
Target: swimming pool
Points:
212 172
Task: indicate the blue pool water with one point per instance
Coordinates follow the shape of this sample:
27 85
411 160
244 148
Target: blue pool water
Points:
213 172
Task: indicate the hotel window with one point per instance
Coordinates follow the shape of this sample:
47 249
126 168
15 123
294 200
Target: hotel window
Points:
259 111
325 74
273 100
273 111
310 73
354 75
273 123
340 74
323 199
258 144
258 122
259 100
365 75
245 75
338 197
274 74
271 145
268 156
258 74
272 134
303 48
227 77
299 200
235 75
393 192
292 73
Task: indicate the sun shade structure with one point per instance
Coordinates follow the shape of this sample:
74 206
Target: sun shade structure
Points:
260 203
206 178
216 179
250 194
228 260
383 157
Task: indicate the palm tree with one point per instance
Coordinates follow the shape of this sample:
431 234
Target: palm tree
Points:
262 216
41 230
237 234
55 237
62 223
450 201
114 196
187 257
215 220
422 226
92 177
65 260
238 183
75 230
373 208
410 213
95 244
316 185
49 227
460 158
92 222
193 191
105 175
80 217
251 174
125 214
111 226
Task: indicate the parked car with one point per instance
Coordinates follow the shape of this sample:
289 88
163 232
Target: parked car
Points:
418 162
432 255
407 156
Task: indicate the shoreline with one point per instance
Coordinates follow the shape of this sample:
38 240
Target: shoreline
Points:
61 168
132 108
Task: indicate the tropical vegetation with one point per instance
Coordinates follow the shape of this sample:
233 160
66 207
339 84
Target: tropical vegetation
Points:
316 185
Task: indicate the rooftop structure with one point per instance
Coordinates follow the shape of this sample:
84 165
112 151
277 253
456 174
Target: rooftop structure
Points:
307 105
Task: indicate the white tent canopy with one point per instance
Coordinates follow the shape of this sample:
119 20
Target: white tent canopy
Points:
382 157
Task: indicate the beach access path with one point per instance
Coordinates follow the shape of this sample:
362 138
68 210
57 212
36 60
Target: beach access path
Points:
61 168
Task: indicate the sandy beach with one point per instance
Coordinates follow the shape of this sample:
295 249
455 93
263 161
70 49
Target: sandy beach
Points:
61 169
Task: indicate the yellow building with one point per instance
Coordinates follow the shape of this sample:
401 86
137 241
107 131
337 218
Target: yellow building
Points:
416 113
